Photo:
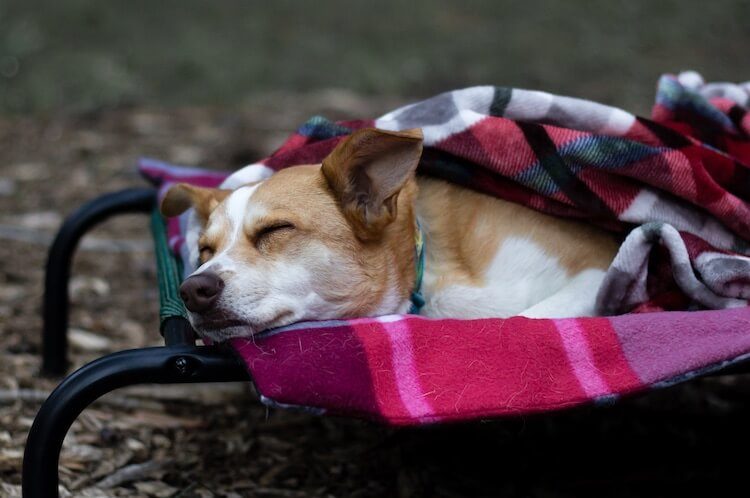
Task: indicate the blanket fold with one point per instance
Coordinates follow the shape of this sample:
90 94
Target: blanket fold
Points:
676 187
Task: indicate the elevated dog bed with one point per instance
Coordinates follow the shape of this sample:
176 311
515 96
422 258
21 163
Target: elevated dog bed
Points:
675 186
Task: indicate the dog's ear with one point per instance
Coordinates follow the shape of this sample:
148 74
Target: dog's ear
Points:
182 196
367 171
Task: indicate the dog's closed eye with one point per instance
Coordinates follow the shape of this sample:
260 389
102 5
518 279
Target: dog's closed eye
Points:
268 233
206 253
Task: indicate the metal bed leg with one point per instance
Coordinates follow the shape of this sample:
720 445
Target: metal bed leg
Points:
160 365
55 307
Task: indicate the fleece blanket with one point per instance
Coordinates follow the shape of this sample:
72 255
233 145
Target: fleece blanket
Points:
676 186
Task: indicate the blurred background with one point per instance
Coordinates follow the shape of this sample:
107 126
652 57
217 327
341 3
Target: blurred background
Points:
81 54
87 87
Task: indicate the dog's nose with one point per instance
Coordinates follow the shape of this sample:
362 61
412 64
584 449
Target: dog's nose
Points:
199 292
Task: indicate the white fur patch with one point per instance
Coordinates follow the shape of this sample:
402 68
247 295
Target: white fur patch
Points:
577 298
521 275
235 209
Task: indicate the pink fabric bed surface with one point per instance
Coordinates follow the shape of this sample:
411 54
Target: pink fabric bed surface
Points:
676 186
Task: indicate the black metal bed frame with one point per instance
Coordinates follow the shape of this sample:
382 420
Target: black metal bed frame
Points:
179 361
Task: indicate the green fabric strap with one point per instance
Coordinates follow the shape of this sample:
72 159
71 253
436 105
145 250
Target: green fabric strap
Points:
168 271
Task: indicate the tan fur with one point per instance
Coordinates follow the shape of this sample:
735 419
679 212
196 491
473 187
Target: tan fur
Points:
466 228
302 195
182 196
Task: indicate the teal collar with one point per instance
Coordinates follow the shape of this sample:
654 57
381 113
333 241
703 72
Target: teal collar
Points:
417 300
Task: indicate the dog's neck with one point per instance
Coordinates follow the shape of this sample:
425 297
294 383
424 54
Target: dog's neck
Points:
396 266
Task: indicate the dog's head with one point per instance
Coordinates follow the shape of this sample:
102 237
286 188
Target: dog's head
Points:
311 242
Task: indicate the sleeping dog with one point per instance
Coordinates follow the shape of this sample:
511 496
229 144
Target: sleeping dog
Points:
362 235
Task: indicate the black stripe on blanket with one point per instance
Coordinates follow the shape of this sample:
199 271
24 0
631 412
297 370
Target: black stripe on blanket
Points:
500 99
555 166
666 136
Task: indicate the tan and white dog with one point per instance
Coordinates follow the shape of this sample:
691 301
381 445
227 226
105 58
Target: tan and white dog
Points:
337 240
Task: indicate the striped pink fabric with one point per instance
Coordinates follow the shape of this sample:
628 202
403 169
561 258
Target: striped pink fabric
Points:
407 370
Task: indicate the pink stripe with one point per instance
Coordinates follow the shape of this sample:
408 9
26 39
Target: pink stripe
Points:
580 357
405 369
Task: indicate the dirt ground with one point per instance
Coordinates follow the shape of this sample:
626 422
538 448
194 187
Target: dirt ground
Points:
205 441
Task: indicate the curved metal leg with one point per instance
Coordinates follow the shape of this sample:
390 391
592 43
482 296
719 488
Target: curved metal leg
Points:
55 308
160 365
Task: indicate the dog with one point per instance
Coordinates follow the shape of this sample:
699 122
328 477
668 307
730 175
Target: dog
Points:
362 235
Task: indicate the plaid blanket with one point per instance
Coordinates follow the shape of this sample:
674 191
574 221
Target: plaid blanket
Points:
676 186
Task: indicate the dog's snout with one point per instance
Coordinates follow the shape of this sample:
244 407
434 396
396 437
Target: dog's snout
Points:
200 292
